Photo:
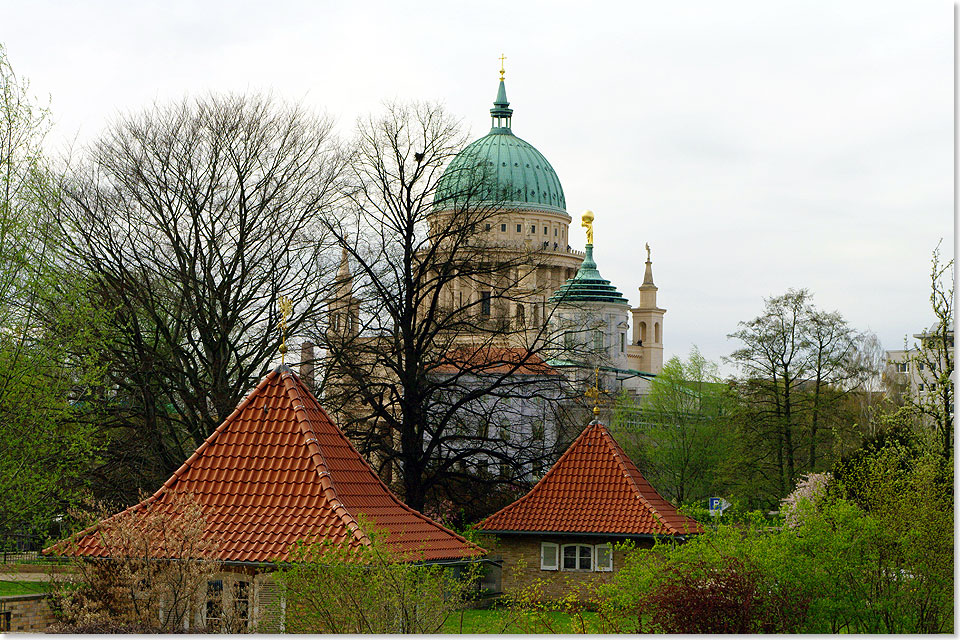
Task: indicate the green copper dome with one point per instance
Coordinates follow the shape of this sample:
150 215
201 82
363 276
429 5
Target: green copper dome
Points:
588 286
512 170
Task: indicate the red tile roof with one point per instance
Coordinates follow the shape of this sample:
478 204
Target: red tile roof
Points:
593 488
278 470
493 360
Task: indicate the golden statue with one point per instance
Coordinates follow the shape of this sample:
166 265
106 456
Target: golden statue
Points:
588 223
286 310
594 393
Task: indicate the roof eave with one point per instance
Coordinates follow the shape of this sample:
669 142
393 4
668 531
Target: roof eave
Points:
592 534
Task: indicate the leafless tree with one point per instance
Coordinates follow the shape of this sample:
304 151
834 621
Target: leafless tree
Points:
438 359
190 220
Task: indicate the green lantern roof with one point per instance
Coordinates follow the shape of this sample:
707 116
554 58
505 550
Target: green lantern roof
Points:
512 170
588 286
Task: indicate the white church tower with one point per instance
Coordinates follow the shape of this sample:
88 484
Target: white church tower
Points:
646 351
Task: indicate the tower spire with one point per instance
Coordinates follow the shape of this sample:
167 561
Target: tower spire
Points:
648 272
501 114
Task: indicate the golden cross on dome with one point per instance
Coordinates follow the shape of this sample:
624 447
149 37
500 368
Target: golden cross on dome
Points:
594 392
286 310
502 70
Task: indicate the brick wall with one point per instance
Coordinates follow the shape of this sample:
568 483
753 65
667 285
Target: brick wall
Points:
29 613
521 564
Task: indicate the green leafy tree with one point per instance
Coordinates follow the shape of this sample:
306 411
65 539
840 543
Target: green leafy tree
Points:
680 435
798 363
45 442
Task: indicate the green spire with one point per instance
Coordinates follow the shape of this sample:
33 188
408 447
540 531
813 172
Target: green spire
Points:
501 113
588 285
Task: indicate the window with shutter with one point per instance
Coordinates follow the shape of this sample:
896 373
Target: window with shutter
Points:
604 557
549 553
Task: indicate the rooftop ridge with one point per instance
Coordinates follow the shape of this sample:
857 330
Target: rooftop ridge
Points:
266 481
292 388
542 480
619 455
296 382
564 499
172 480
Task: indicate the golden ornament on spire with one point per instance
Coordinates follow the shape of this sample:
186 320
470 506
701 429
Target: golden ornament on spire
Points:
594 392
502 70
286 310
587 219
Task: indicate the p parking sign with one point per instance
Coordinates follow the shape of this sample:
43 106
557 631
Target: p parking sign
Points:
717 505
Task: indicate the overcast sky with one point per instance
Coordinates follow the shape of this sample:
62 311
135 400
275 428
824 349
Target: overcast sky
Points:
757 146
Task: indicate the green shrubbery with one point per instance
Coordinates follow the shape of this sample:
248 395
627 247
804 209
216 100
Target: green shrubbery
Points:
330 587
872 554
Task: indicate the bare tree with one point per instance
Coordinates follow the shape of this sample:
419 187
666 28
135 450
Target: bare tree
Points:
190 220
440 342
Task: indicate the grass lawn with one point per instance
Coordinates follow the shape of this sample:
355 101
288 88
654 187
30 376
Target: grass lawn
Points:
21 587
500 621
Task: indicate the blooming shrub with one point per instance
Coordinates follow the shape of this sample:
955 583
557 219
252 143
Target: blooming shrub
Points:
810 489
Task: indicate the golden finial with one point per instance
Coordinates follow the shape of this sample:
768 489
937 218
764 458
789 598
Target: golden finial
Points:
502 70
594 392
587 218
286 310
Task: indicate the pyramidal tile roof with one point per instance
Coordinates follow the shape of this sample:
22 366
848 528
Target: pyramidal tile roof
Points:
278 470
593 488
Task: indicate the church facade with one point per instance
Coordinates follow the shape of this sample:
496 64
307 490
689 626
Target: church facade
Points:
589 324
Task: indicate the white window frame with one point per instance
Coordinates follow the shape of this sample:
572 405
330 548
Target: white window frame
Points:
545 549
577 546
596 557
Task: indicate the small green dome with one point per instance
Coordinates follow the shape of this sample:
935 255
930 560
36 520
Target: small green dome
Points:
512 170
588 286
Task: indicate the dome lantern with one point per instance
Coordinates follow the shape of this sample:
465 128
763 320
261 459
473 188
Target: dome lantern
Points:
501 114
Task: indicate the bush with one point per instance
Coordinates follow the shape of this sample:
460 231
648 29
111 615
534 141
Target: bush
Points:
734 597
157 563
334 588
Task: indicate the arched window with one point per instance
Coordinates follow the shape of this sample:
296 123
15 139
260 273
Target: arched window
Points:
656 332
520 318
643 332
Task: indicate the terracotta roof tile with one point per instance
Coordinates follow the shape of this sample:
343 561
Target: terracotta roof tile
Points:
266 479
593 488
